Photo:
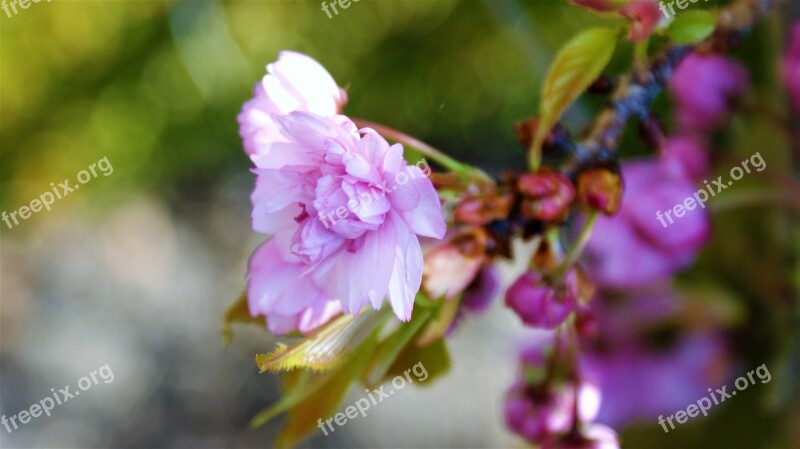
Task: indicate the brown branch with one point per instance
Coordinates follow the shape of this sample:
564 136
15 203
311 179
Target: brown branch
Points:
636 93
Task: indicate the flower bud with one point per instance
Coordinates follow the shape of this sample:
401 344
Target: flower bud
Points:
600 189
546 194
644 16
478 211
542 305
541 413
449 268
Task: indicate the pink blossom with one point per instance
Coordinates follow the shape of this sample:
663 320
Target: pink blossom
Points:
345 210
448 271
273 292
791 67
295 82
633 248
704 88
539 304
685 155
641 382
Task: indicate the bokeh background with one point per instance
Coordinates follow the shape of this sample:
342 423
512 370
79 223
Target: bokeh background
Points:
136 268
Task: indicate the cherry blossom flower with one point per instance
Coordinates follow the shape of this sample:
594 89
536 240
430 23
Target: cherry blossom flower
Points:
345 210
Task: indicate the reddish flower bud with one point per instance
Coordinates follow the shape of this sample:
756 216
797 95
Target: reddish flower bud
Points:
541 413
644 16
600 189
547 195
539 304
478 211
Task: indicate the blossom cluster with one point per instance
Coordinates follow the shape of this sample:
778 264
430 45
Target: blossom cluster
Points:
601 261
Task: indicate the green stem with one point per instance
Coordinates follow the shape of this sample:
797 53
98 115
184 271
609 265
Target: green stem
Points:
574 375
577 248
429 151
640 57
534 155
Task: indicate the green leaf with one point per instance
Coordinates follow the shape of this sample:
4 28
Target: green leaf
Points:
328 392
576 66
438 327
310 395
298 385
691 26
434 358
393 345
238 312
327 347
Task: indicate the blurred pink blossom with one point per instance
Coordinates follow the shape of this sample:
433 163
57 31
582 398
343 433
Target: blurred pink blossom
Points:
685 155
633 249
705 88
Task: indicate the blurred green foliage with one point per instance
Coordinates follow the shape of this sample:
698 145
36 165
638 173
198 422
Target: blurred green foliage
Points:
156 86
